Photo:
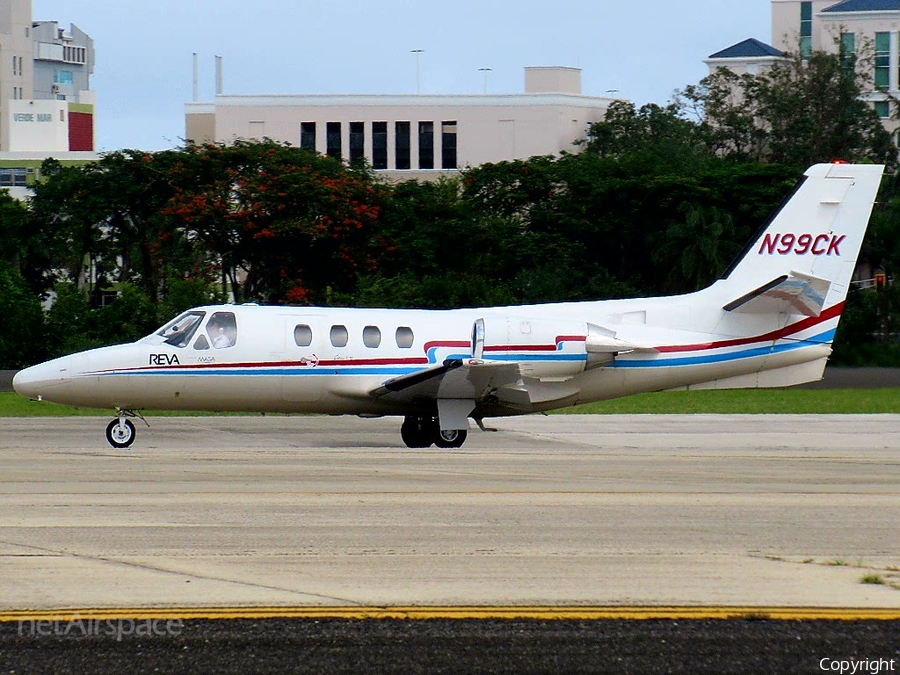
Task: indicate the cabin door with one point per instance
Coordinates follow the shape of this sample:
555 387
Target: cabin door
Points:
305 337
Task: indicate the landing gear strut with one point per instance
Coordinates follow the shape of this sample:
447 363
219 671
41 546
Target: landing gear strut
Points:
421 432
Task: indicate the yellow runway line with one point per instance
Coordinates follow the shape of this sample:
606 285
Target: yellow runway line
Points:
450 612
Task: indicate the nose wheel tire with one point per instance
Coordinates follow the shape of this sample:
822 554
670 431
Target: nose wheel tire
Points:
120 435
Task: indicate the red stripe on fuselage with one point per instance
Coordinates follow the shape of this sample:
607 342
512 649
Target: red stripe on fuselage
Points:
830 313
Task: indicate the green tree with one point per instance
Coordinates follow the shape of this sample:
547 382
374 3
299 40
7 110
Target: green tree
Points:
22 333
801 111
104 222
650 138
286 224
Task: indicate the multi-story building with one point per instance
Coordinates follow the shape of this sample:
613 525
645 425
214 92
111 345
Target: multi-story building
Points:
412 135
46 104
870 28
16 59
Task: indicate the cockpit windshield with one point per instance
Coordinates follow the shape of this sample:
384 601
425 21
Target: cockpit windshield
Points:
179 332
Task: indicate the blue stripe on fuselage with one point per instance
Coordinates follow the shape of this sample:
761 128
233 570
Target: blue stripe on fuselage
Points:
818 340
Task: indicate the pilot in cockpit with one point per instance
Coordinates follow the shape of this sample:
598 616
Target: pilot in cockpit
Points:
222 330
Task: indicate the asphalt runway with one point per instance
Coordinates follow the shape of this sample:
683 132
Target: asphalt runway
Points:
270 513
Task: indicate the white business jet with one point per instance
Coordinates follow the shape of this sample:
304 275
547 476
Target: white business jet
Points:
768 322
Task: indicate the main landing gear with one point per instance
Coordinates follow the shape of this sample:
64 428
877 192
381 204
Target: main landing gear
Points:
120 433
422 432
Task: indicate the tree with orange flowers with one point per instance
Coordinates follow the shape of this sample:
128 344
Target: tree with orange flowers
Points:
288 225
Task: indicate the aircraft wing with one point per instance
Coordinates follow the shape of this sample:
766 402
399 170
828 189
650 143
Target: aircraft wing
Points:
471 379
793 293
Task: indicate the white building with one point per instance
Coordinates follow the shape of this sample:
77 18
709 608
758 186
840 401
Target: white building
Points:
45 98
871 26
412 135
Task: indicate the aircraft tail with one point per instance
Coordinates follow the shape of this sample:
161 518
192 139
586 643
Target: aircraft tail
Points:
786 292
802 261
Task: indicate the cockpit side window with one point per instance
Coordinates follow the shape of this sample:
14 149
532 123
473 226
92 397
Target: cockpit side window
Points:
180 331
222 330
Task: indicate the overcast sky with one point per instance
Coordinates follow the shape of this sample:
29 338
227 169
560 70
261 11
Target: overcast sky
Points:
645 49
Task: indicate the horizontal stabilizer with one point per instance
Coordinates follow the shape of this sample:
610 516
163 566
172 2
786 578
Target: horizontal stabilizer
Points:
605 344
794 293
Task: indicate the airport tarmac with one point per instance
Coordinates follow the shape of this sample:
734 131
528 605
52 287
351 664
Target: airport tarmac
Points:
762 510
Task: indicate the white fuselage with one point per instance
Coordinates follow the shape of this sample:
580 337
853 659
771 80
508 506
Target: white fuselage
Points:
768 322
679 344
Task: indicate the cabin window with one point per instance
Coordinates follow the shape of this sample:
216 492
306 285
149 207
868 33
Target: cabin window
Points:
302 335
179 332
222 330
339 336
404 337
201 343
371 336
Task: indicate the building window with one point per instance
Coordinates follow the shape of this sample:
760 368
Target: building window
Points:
379 145
848 49
62 77
333 139
357 141
882 60
805 29
401 145
448 145
883 109
12 177
308 135
426 145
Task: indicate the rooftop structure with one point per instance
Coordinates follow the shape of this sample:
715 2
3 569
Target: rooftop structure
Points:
412 135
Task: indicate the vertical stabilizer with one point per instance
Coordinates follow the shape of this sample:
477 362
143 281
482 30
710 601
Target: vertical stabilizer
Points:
816 235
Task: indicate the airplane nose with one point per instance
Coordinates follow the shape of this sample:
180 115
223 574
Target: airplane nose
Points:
33 382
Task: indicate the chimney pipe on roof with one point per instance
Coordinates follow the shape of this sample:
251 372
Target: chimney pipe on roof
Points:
196 78
218 76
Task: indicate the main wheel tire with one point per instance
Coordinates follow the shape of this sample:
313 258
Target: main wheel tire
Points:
120 436
418 432
451 438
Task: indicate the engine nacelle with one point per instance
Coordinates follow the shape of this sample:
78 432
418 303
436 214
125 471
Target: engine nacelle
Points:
544 348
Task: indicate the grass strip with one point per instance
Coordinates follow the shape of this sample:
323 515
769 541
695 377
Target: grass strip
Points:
745 401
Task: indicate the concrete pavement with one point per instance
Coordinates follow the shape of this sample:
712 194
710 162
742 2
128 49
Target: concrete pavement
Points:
565 510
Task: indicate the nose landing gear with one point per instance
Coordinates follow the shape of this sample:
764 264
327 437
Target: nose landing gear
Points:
120 433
